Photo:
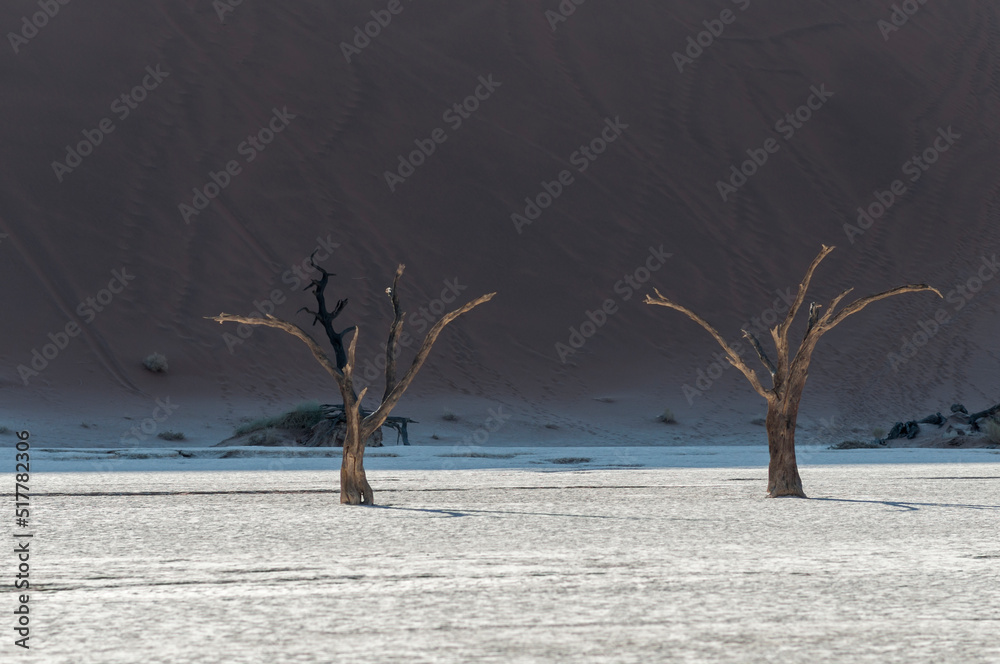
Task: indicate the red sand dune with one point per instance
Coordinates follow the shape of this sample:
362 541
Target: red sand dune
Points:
551 91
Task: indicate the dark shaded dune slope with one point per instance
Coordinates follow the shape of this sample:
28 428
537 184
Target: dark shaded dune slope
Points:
323 175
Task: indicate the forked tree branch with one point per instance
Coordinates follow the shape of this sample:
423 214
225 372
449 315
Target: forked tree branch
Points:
731 355
377 418
781 336
832 307
831 320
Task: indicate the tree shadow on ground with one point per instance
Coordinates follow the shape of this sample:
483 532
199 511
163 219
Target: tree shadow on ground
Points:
908 505
468 512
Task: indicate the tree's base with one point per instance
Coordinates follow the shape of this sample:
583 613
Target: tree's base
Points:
355 500
787 494
354 486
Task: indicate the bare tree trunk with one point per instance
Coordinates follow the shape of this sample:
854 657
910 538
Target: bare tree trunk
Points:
354 487
783 471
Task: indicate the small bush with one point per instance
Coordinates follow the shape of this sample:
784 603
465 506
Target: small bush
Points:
759 421
170 435
4 430
879 433
478 455
156 363
571 460
449 416
667 417
304 416
992 430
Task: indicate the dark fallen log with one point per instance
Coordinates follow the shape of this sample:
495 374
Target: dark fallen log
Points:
989 412
335 412
936 418
904 430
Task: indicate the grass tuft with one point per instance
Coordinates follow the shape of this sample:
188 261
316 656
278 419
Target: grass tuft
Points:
304 416
170 435
264 437
667 417
992 430
156 363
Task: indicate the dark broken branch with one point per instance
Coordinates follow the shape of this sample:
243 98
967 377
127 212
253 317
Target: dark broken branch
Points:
763 356
813 315
325 317
392 345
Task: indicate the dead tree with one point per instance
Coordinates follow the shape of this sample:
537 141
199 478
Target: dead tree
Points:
788 376
354 487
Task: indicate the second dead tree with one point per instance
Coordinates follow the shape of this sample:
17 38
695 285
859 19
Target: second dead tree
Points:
788 375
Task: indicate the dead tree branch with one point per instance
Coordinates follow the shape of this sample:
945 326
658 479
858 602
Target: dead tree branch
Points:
731 355
392 345
375 420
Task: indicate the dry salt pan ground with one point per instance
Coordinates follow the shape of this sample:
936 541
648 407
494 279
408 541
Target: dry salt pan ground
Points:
884 563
